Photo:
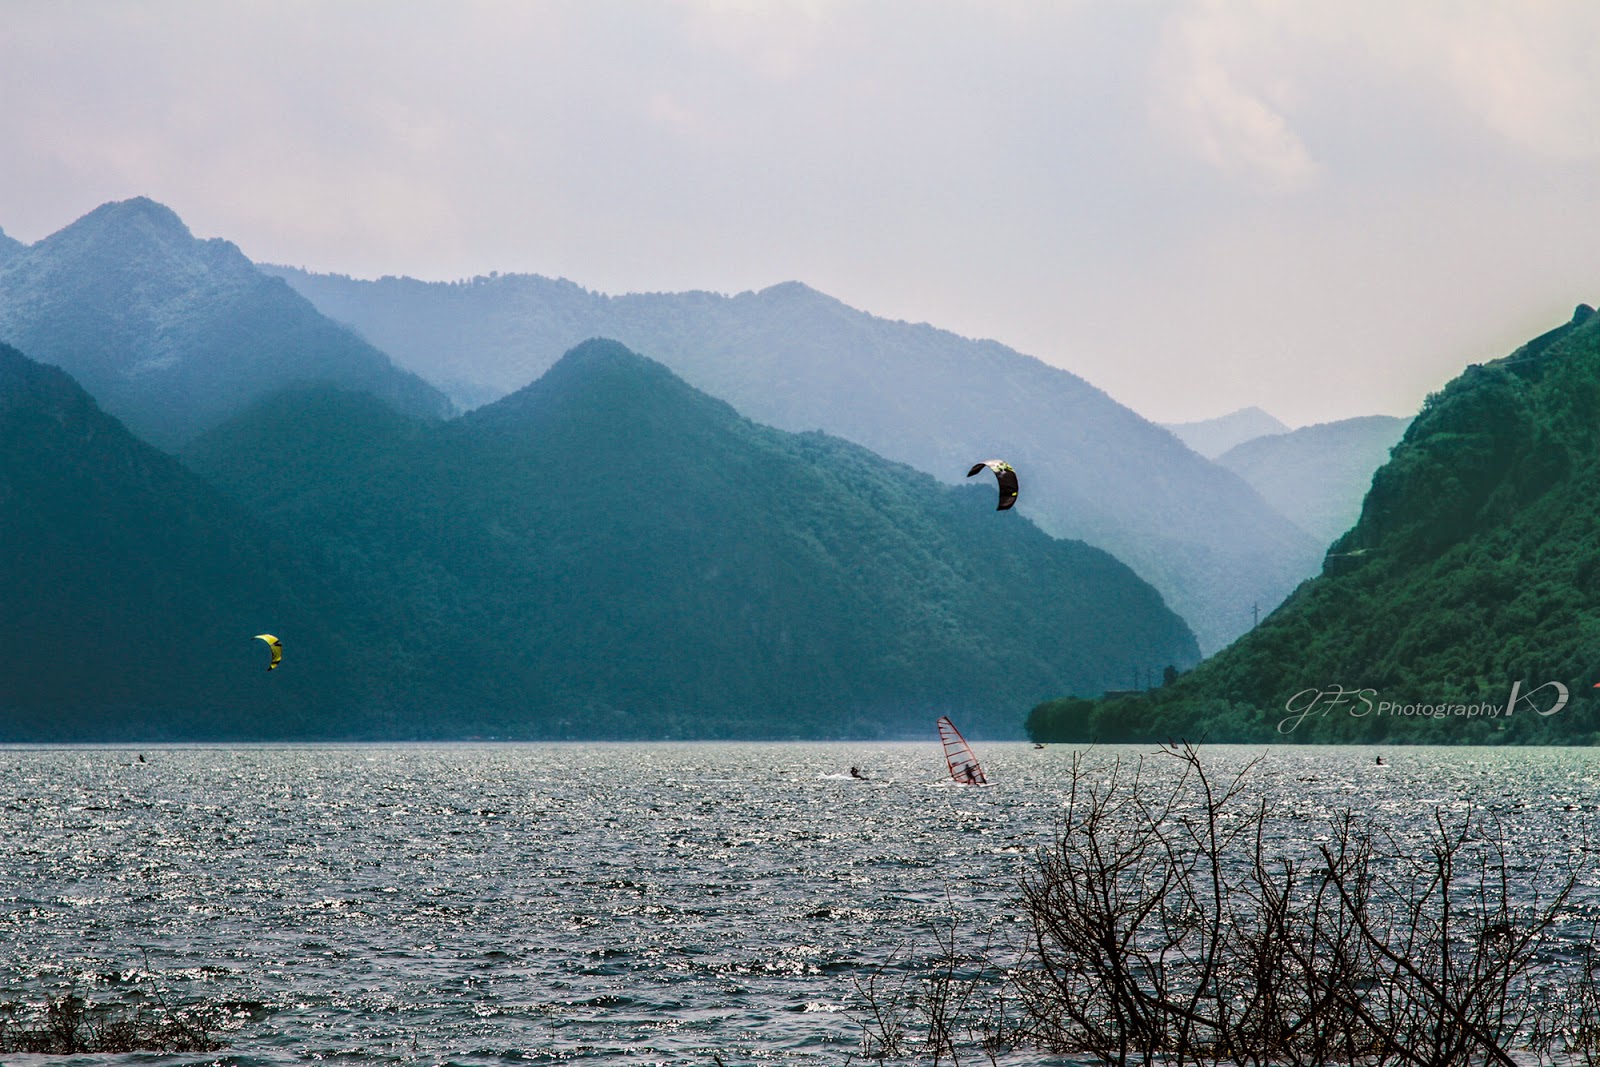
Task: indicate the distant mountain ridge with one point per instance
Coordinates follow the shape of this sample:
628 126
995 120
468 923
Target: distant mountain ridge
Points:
1463 605
173 334
1317 476
1212 437
798 360
609 552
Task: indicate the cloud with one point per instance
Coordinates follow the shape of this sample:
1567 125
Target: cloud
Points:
777 40
1218 87
1526 71
1247 86
1045 174
663 108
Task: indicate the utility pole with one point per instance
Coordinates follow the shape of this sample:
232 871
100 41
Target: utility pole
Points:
1255 615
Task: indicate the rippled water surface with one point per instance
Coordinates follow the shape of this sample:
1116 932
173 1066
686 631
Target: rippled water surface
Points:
634 903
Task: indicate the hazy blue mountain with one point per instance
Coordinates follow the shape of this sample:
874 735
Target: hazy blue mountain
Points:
793 358
1317 475
1212 437
1463 597
609 552
9 246
131 591
173 334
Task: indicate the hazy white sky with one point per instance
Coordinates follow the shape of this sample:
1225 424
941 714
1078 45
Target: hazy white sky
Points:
1324 209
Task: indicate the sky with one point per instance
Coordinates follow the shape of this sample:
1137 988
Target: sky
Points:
1324 210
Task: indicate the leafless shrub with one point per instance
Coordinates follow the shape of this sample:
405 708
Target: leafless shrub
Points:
1184 923
71 1025
951 1007
1175 919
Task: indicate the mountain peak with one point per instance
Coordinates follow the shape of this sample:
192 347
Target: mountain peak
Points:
607 379
1212 437
789 289
126 225
603 352
152 239
600 361
796 294
171 333
138 211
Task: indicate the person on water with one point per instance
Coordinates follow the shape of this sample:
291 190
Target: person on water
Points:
855 772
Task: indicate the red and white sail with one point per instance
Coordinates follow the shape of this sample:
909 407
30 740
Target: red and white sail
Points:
964 766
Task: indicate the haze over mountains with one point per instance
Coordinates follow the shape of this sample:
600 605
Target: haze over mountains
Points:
1469 582
1317 476
794 358
1212 437
173 334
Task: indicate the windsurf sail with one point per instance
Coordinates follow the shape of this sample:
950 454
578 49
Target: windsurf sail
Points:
964 766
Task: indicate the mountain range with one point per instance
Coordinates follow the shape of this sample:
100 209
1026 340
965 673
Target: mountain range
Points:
1459 607
793 358
414 546
172 334
606 553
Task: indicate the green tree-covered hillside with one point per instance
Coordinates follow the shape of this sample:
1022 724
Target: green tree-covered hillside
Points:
1473 573
131 592
609 552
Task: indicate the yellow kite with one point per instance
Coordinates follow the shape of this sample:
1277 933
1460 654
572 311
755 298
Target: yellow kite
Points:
276 646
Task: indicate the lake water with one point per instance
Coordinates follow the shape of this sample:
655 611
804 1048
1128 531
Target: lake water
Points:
630 903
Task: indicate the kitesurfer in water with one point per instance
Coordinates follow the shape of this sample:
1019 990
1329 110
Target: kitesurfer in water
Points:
855 772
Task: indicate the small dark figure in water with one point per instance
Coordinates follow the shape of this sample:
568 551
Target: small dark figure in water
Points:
141 757
1381 762
855 772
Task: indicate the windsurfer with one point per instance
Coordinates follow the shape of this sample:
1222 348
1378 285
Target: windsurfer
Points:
959 760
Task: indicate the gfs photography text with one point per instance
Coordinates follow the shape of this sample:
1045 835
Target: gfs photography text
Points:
1546 700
